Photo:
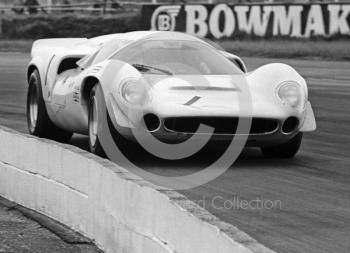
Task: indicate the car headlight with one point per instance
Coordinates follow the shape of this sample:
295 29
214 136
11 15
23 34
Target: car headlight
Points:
134 92
292 94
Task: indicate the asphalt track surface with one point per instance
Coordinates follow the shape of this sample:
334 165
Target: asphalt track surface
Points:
304 202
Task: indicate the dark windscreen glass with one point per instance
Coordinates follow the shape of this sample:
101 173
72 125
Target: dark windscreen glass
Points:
178 57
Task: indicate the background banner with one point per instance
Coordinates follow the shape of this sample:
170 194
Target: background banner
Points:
253 20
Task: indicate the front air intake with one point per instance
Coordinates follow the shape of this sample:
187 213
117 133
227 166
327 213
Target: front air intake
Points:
290 125
222 125
152 122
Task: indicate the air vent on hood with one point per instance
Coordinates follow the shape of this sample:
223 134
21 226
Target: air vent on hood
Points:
216 88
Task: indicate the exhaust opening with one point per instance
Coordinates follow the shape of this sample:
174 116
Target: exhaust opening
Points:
152 122
290 125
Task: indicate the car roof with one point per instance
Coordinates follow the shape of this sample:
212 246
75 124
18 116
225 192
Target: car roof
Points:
139 35
103 47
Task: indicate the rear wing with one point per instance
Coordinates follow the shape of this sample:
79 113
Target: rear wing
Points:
54 45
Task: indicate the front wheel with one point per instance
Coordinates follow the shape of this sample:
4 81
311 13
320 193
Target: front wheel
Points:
94 142
285 150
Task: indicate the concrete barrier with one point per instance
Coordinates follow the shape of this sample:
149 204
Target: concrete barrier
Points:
118 210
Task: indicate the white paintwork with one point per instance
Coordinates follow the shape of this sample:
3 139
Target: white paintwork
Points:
309 124
68 109
236 59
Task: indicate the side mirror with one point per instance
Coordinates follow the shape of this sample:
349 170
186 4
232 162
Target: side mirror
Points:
236 60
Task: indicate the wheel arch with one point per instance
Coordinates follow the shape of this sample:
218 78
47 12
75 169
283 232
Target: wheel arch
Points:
38 63
87 85
30 70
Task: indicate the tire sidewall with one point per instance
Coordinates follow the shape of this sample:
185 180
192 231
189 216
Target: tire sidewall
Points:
34 81
96 147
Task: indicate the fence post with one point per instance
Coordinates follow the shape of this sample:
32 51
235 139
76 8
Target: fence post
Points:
49 3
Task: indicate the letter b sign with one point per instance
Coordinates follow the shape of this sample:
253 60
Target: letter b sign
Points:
164 22
164 18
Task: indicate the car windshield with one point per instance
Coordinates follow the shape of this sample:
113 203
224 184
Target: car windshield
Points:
176 57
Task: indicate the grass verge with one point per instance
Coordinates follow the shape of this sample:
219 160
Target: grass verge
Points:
318 49
304 49
22 46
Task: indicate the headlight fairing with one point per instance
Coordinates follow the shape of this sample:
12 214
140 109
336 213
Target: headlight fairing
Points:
134 92
292 94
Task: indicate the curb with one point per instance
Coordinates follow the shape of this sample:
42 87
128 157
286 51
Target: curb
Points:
119 211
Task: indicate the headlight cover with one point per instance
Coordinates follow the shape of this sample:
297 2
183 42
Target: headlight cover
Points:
134 92
292 94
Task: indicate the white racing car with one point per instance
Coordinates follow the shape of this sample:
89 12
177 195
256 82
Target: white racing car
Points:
179 81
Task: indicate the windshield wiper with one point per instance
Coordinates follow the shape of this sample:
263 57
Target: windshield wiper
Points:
145 68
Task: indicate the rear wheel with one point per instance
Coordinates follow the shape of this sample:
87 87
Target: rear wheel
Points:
94 142
285 150
39 123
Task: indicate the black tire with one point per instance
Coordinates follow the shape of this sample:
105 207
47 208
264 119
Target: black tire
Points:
285 150
94 142
41 125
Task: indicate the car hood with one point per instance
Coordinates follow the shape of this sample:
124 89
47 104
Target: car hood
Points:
195 91
164 81
219 95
